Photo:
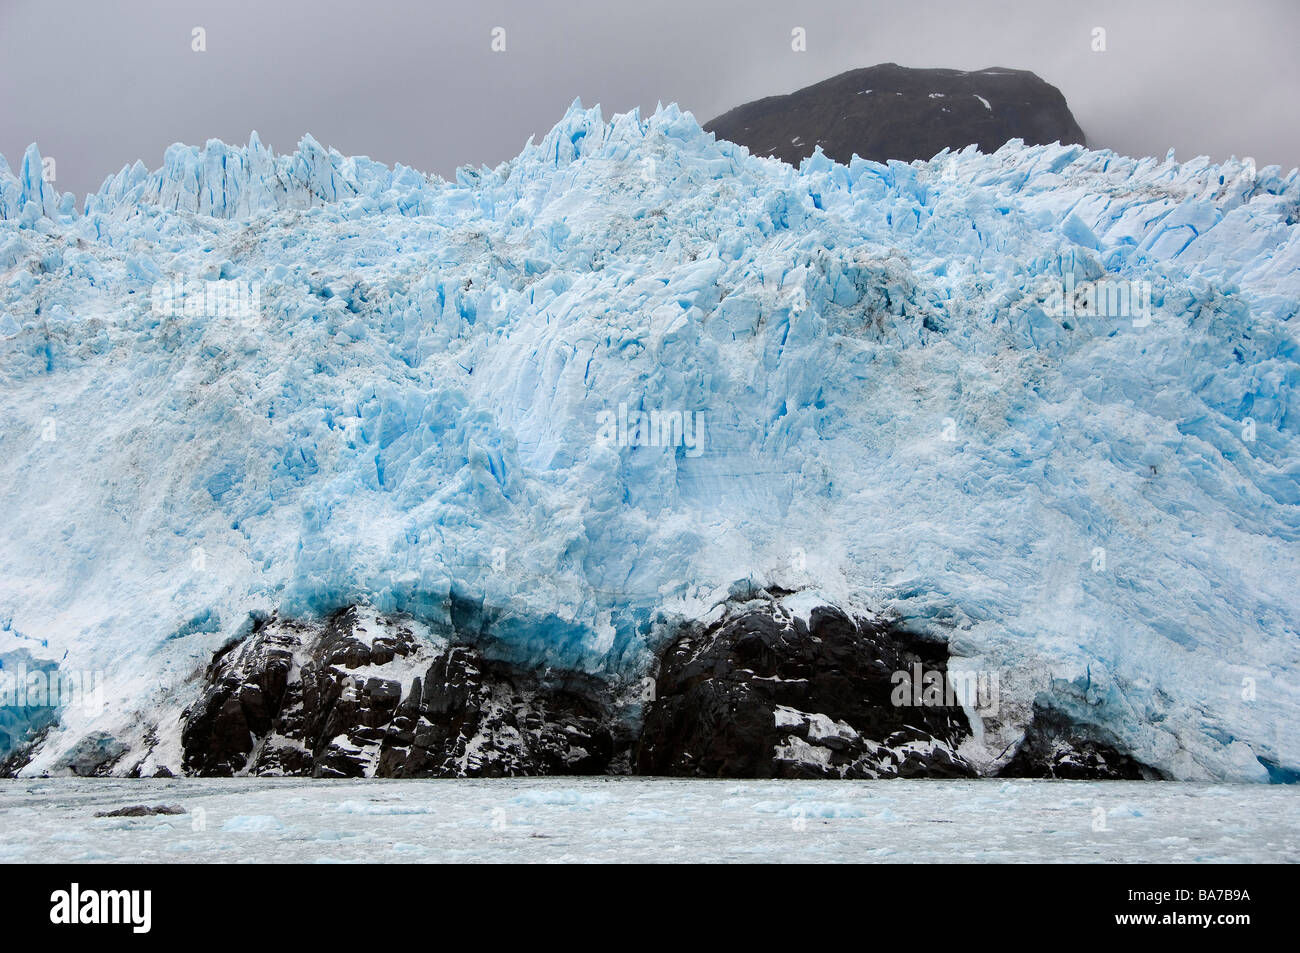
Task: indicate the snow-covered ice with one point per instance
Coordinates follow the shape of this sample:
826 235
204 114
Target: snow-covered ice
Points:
1104 509
648 820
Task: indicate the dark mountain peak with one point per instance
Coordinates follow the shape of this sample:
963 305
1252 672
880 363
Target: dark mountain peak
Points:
895 112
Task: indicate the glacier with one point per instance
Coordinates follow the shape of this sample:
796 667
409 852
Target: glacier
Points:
894 417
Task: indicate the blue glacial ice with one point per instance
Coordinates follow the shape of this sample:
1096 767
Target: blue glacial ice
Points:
900 412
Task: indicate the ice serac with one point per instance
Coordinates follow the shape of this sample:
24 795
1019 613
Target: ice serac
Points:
28 195
431 414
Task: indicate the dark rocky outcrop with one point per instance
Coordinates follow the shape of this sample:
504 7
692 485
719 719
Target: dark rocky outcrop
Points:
759 691
763 694
892 112
361 697
475 717
142 810
1057 747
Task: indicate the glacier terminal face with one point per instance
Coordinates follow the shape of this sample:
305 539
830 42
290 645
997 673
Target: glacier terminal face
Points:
1038 404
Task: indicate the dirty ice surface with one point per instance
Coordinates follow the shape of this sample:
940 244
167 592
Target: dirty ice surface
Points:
648 820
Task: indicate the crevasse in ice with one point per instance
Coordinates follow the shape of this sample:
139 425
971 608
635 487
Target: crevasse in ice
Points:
433 408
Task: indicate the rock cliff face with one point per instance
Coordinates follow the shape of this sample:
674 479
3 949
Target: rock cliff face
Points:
363 696
764 694
892 112
1055 747
758 692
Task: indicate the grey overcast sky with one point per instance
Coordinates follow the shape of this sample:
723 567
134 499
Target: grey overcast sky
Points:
100 83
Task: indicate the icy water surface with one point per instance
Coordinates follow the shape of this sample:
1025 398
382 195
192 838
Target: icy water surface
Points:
648 819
